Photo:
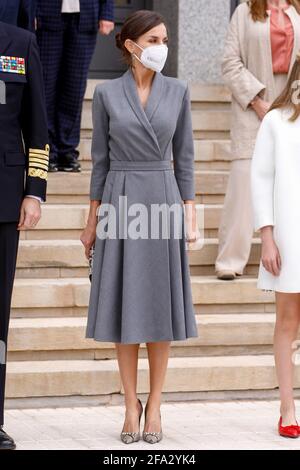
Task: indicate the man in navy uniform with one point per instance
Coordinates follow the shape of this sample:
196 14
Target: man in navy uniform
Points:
24 155
67 34
18 12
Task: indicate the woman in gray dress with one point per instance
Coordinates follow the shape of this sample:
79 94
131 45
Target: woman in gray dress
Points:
141 291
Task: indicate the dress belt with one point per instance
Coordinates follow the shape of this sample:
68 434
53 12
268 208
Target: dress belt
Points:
143 165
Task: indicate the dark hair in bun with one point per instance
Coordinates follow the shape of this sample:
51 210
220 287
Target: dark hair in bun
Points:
137 24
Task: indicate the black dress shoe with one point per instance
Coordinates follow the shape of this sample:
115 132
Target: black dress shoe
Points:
69 162
6 442
53 163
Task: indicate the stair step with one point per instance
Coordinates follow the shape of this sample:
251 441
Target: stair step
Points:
68 334
92 377
51 253
74 292
70 254
207 255
209 290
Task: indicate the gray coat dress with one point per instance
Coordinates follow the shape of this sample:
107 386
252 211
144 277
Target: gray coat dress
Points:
141 289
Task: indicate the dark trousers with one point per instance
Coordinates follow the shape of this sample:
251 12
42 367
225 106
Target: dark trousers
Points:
9 239
66 55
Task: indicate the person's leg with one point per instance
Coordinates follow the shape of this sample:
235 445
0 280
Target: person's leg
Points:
9 237
78 52
286 331
127 355
236 226
158 356
51 48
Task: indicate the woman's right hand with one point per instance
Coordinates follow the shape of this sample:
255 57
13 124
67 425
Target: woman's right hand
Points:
261 107
270 255
88 237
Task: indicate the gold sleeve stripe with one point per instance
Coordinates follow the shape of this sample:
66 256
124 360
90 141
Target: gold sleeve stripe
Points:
43 167
38 160
40 151
39 154
44 159
35 172
32 151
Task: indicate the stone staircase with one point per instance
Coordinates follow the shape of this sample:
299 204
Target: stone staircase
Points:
48 353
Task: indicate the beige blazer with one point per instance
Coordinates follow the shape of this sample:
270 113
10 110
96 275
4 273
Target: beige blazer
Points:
247 70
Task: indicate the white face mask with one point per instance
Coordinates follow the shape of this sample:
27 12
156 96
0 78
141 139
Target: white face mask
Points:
153 57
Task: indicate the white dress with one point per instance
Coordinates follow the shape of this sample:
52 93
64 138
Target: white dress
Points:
275 185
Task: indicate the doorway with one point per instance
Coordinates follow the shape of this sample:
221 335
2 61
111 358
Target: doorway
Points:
106 62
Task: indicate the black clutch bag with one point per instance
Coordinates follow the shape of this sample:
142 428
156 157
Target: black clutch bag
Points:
91 261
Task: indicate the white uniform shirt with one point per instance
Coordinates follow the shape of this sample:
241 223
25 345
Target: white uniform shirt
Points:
70 6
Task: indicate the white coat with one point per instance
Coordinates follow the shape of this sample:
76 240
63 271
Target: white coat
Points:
275 185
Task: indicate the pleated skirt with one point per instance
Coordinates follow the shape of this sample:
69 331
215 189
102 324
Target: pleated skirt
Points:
141 288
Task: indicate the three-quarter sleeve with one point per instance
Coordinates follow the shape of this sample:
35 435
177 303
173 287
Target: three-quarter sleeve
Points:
241 82
100 147
183 150
262 176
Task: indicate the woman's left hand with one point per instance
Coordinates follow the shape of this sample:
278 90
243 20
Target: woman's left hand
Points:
192 231
88 237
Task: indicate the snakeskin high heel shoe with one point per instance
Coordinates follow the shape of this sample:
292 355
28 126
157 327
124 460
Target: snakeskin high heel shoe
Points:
152 437
131 437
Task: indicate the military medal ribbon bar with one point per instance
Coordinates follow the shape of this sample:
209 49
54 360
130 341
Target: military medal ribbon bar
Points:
12 64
